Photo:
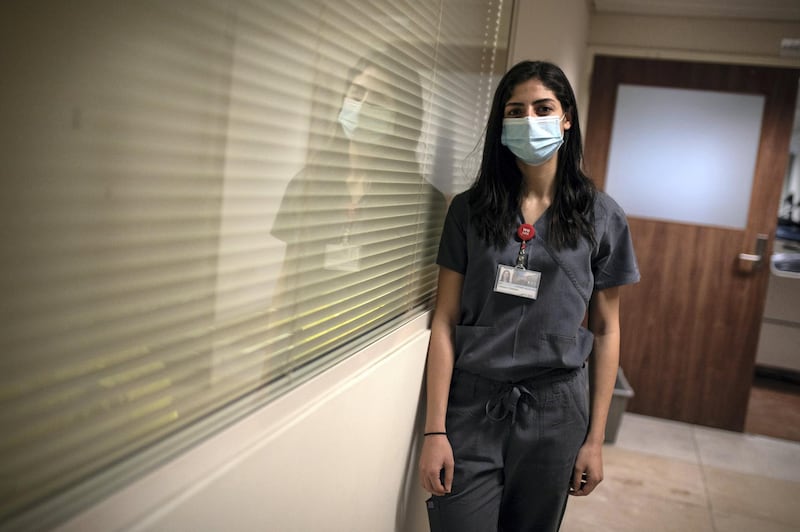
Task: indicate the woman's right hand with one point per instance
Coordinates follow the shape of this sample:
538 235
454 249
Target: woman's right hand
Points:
437 456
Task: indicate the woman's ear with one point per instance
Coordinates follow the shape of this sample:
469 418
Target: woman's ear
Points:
567 120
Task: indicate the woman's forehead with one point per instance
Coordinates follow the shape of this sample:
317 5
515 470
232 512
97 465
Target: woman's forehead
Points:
373 79
531 90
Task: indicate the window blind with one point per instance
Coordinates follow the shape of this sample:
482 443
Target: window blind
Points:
192 222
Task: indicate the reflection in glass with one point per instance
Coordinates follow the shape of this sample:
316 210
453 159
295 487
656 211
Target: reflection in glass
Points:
353 218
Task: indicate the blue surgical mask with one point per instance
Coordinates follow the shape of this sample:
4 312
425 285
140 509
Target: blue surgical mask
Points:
533 139
365 122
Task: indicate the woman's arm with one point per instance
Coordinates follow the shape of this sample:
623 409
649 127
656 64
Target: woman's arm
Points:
437 454
604 323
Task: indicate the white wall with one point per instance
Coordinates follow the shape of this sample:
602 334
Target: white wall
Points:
555 31
731 40
336 454
552 30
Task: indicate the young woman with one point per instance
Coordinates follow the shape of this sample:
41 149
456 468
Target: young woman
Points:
327 217
510 428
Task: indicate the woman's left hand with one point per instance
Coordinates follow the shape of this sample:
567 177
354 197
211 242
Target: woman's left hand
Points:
588 471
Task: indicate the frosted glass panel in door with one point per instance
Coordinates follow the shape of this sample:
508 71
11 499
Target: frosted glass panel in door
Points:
684 155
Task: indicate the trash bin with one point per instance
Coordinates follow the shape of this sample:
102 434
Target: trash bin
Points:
619 401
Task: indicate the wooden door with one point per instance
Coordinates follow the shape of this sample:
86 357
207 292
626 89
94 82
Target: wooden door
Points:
690 328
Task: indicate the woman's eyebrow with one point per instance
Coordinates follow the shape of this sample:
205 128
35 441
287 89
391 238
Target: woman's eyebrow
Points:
541 100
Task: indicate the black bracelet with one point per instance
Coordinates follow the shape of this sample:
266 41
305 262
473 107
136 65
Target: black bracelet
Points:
435 434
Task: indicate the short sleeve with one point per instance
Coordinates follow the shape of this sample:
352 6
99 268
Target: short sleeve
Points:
614 262
453 243
291 217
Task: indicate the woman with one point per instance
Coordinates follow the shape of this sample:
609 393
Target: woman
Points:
510 430
328 221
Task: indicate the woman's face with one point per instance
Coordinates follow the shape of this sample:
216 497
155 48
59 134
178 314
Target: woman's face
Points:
368 115
371 87
532 98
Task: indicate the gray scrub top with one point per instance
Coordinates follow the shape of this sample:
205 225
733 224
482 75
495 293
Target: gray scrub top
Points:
510 338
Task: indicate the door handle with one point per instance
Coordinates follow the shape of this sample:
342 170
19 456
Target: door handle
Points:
756 260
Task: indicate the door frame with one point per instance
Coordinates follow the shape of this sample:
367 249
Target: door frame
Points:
779 87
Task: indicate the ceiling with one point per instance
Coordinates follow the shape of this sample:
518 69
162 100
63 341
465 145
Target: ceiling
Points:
780 10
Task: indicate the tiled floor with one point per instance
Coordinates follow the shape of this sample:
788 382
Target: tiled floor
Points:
667 476
774 409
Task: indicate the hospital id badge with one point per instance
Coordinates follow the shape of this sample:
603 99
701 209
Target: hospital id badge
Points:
342 258
517 281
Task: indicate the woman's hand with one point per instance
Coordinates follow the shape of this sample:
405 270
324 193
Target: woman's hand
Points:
437 455
588 472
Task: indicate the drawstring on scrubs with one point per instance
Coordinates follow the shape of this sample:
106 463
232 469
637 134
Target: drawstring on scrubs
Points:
505 402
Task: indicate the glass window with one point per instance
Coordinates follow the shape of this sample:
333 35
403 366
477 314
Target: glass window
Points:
206 203
684 155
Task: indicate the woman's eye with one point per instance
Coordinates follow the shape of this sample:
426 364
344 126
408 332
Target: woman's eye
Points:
356 92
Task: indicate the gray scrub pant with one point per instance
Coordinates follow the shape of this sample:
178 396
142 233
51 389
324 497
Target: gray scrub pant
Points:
515 447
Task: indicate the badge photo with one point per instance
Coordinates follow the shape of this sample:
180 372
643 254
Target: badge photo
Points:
517 281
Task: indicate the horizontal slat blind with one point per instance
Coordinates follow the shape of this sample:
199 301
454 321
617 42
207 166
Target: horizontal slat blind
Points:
186 222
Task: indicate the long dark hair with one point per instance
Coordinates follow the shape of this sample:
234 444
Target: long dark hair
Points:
495 196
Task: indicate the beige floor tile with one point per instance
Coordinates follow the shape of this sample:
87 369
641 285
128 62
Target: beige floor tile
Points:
628 472
741 523
755 497
657 436
605 511
748 453
664 476
642 492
